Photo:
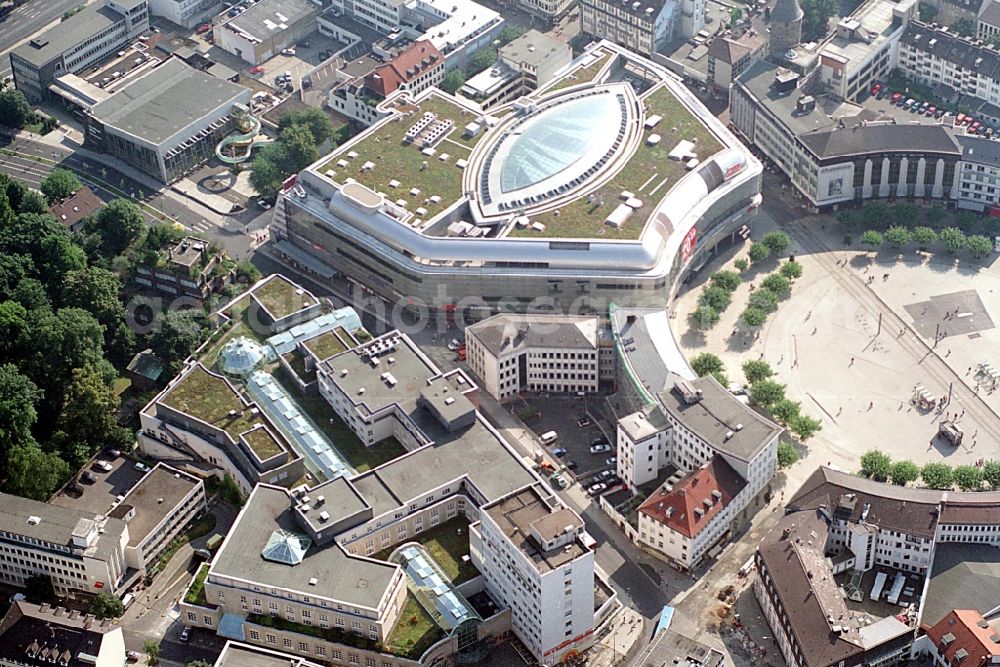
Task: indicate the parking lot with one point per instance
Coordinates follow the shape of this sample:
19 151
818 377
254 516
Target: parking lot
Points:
572 418
99 495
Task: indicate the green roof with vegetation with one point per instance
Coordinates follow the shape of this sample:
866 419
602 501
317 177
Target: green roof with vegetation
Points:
649 174
281 297
448 544
262 443
297 363
415 631
403 162
326 345
196 591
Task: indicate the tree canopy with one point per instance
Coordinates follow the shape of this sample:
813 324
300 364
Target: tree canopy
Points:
59 184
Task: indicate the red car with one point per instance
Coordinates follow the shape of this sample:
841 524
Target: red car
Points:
896 97
877 87
203 28
256 69
931 110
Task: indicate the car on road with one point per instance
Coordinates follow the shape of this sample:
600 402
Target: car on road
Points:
113 453
256 69
600 449
572 465
453 345
606 474
141 467
597 488
558 480
599 440
185 633
288 52
583 422
612 461
88 477
559 451
264 204
103 465
896 97
931 110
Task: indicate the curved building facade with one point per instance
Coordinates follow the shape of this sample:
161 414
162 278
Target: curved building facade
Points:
604 186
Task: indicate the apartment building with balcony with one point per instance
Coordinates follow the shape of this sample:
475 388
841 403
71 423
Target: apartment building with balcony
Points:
70 46
187 268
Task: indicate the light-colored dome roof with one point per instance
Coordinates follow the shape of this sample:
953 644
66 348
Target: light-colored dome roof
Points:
241 356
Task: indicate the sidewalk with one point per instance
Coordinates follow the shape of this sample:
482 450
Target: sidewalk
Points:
620 636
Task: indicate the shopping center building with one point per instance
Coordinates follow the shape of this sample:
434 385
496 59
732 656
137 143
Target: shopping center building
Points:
445 205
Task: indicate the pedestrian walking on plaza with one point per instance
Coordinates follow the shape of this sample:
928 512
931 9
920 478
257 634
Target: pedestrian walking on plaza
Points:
871 405
852 362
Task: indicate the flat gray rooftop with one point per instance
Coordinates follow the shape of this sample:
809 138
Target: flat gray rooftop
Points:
269 17
964 576
66 34
160 104
244 655
516 514
56 524
357 581
718 414
504 333
154 498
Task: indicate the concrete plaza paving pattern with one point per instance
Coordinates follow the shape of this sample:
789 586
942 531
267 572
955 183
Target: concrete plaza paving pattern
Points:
826 344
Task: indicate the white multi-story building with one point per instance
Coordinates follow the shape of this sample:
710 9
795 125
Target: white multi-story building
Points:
988 22
529 547
978 174
261 30
684 522
78 551
187 13
512 353
70 46
527 63
643 27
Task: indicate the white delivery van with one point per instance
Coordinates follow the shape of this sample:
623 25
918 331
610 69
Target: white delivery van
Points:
549 437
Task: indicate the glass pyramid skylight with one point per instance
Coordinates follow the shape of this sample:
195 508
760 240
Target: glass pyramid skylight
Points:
286 547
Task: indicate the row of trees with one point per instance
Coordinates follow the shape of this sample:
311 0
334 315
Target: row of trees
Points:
951 238
879 466
879 215
300 133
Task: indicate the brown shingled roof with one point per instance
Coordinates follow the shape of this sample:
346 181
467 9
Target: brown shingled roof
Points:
965 630
405 67
693 501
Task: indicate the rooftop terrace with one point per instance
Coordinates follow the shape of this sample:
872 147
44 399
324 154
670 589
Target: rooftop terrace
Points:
649 174
328 344
396 161
281 297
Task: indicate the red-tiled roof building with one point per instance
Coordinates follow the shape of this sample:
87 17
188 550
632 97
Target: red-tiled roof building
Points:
963 638
415 69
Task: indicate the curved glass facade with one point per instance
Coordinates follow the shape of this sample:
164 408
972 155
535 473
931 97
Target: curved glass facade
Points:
555 139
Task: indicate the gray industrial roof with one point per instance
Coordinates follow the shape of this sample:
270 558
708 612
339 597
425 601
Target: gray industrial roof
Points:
64 35
158 105
520 514
964 576
353 580
56 524
721 419
671 648
268 17
154 498
503 332
879 138
979 149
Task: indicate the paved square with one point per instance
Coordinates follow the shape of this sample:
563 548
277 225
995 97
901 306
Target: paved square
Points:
938 315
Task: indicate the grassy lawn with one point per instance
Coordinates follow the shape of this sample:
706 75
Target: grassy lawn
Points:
582 75
395 160
196 591
415 631
350 447
121 385
649 174
325 345
447 546
279 296
298 364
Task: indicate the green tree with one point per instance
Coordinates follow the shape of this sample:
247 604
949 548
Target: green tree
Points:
152 649
934 215
968 478
755 370
965 219
452 81
777 283
787 454
482 59
106 605
753 317
510 32
58 256
14 108
38 588
89 409
30 294
897 236
904 472
777 242
764 299
805 426
313 119
905 214
937 476
300 149
727 280
705 317
33 473
198 663
766 393
721 378
816 18
177 335
59 184
964 27
785 410
978 246
875 214
117 224
991 473
849 218
876 465
741 265
872 238
19 398
735 14
926 11
715 297
994 41
924 237
247 272
952 238
707 363
13 329
791 270
95 290
33 202
758 252
266 175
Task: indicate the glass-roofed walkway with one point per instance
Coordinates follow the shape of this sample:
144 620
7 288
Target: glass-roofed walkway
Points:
441 600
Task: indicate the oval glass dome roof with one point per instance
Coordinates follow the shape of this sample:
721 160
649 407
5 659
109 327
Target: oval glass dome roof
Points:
241 356
550 152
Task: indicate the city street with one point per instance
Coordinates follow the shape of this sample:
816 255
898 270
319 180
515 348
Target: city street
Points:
25 21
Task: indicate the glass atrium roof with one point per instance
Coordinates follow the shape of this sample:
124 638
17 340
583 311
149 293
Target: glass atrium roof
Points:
555 139
286 547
